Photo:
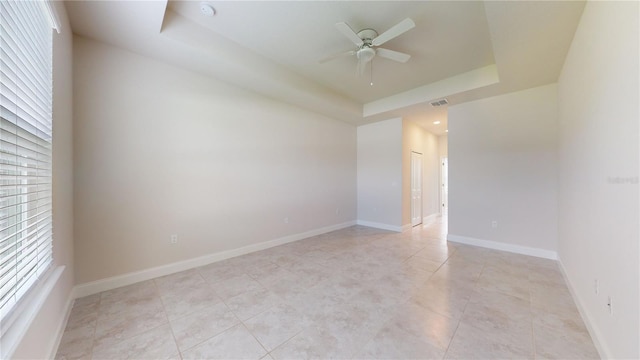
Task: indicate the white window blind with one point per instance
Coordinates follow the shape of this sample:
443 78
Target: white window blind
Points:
25 148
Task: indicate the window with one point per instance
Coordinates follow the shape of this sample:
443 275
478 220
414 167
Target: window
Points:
25 147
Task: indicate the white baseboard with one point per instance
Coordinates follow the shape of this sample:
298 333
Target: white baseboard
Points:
596 336
114 282
518 249
428 220
380 225
53 348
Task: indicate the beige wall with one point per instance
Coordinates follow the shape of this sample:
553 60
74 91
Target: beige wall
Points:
415 138
40 339
431 175
598 179
443 145
503 167
380 174
161 151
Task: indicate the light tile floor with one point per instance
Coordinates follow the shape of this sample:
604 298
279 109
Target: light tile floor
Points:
356 293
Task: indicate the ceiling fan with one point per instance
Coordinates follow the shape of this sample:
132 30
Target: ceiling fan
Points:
368 42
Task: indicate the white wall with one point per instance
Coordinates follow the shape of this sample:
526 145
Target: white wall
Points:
40 340
160 151
503 167
415 138
380 174
598 178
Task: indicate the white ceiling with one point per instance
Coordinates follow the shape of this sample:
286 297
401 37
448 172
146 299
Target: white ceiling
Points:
459 50
298 34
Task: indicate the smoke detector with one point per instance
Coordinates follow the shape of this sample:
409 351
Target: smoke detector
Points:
207 10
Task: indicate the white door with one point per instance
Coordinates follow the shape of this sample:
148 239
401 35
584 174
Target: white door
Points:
416 188
444 194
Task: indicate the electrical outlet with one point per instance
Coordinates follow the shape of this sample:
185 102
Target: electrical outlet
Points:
494 224
337 211
596 286
286 220
610 305
174 239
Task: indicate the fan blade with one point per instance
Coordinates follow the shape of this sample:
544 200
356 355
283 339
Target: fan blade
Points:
349 33
393 55
397 30
335 56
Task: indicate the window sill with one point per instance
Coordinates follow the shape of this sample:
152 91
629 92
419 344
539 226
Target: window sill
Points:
15 328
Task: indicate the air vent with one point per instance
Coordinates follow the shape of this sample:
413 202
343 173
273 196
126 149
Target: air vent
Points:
440 102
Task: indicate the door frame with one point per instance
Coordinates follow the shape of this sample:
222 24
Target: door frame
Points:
444 185
416 220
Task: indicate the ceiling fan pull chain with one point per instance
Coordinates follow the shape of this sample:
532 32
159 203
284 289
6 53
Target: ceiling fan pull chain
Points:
371 73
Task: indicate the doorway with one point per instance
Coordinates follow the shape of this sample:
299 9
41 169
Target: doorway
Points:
416 188
444 186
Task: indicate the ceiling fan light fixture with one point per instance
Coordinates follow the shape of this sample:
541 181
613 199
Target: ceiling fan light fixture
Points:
366 54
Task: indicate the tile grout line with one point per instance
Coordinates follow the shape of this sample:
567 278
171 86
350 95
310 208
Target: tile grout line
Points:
284 342
164 309
256 339
533 333
95 327
242 322
461 316
221 331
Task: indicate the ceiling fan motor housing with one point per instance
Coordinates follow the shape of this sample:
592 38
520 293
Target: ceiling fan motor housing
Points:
367 35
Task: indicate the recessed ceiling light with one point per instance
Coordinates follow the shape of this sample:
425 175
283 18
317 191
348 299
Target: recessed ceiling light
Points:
436 122
446 130
207 9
